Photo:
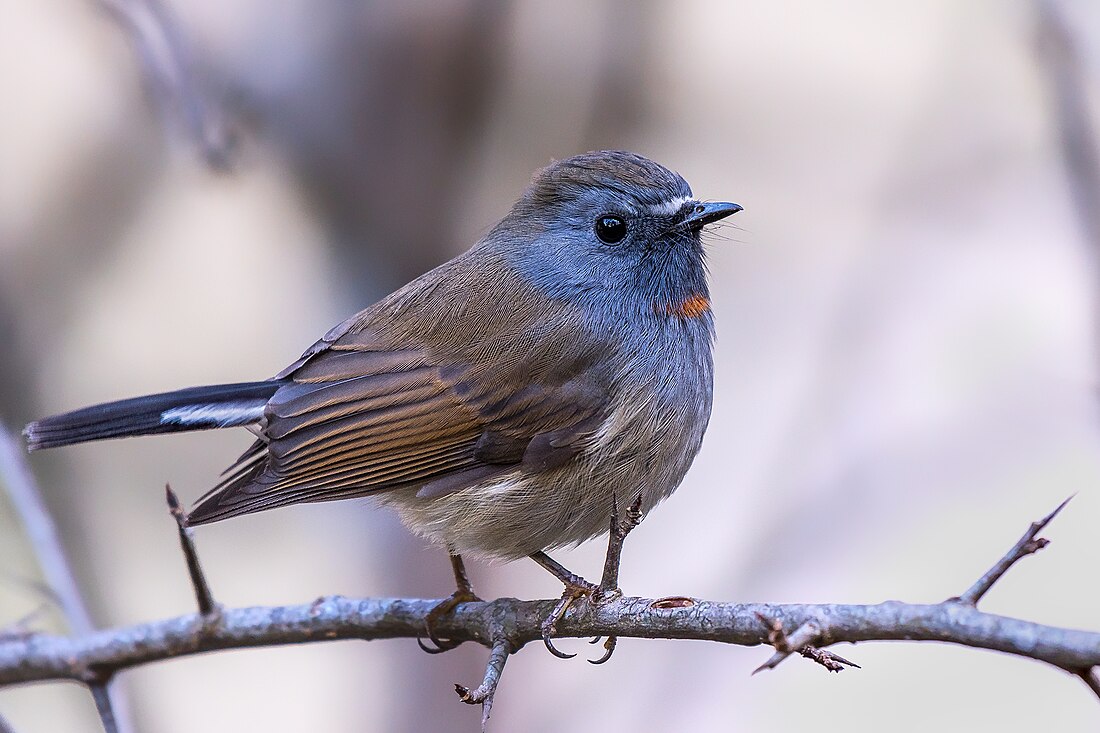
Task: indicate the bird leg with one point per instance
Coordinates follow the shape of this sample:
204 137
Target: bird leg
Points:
577 587
620 528
609 584
464 593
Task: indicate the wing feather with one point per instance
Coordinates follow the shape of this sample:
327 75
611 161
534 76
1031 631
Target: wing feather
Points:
390 399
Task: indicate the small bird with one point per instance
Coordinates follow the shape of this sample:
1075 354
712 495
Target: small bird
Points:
505 403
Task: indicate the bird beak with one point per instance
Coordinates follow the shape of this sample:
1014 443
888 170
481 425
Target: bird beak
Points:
704 214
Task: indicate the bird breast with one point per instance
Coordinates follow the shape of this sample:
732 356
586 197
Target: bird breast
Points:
659 409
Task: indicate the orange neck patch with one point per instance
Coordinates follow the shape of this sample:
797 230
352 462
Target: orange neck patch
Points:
693 307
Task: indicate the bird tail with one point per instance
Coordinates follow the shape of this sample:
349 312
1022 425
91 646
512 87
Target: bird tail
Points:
195 408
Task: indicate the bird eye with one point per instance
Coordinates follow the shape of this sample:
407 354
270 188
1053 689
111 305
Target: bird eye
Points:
610 229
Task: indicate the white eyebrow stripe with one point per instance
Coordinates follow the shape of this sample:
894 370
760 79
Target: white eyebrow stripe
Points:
671 206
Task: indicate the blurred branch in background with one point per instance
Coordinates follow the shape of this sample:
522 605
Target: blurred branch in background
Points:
1060 63
16 478
506 625
170 75
1065 76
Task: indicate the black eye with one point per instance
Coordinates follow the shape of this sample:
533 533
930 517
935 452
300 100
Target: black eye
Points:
610 229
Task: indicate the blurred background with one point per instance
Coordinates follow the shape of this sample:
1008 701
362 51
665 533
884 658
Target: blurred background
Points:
906 374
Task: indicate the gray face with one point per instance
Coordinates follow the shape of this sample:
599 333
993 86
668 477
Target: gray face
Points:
610 227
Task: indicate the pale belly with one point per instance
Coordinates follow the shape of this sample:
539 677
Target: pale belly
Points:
642 450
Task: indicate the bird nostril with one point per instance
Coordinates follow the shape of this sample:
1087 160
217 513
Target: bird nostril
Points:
699 209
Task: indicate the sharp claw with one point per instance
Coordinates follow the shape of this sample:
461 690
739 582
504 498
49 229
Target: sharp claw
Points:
442 609
595 640
554 650
609 649
549 626
439 647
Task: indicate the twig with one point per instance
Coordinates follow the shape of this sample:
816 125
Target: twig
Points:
487 690
170 74
102 696
36 586
208 609
42 533
827 659
803 639
786 644
21 627
1028 544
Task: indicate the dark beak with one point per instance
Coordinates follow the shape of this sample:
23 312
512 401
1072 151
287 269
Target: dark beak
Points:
704 214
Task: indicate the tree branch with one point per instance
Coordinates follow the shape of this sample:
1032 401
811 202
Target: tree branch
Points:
42 532
506 625
45 657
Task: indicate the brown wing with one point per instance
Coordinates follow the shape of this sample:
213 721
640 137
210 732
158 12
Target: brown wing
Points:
352 420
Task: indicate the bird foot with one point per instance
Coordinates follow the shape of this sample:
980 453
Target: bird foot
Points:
442 609
576 587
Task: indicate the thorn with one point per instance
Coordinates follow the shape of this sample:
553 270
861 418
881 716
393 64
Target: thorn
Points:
1057 510
102 697
208 609
786 644
1028 544
486 692
828 660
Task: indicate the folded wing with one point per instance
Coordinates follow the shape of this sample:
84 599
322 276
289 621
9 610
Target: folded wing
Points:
352 418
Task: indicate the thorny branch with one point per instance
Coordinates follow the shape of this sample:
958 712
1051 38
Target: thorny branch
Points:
802 640
799 642
506 625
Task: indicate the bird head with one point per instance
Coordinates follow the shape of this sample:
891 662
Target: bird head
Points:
612 229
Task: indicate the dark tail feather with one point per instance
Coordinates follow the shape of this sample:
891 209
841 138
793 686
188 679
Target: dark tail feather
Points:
195 408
